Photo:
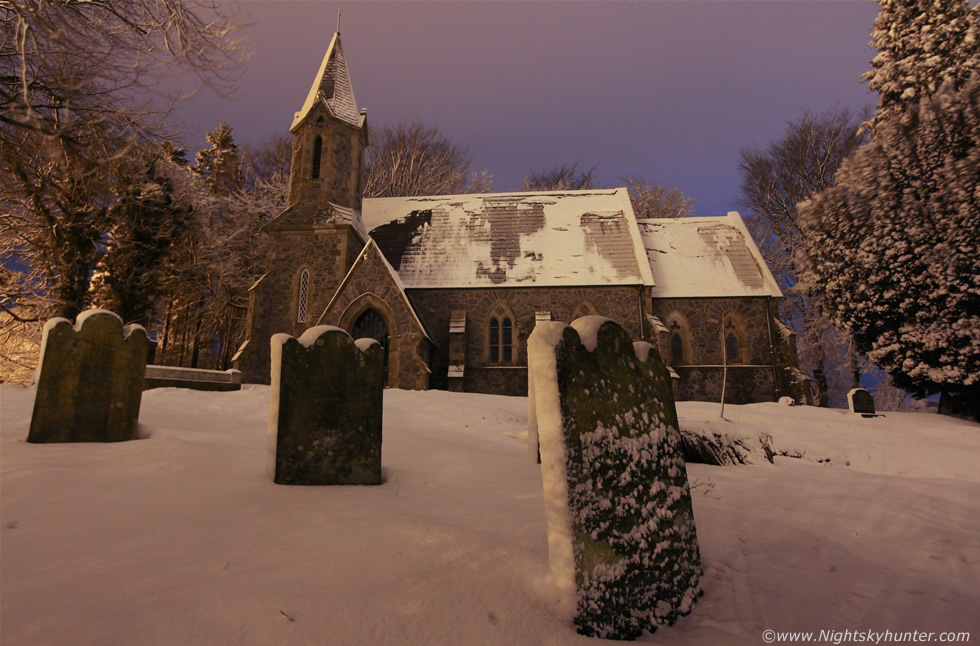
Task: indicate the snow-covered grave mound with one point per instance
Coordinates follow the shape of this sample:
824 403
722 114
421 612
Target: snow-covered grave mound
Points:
182 538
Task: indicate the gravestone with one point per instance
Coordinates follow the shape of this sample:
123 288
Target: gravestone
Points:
860 401
621 537
325 408
90 380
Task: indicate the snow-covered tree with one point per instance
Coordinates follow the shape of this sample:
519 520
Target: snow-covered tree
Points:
774 181
419 160
922 45
657 201
70 62
221 164
894 247
54 203
212 269
148 220
75 87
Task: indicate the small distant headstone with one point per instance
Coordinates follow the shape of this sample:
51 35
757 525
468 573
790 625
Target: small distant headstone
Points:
860 401
90 380
325 408
621 537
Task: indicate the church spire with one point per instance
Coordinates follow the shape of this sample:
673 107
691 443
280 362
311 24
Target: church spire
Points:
332 86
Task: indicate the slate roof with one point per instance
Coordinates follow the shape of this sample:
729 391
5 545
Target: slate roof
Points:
332 85
704 257
559 238
306 215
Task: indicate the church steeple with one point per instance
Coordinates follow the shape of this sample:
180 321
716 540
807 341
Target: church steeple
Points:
329 138
332 86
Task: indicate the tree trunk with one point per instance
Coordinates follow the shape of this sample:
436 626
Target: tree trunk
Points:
820 377
855 365
197 342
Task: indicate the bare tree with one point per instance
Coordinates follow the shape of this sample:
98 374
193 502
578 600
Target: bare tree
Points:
268 162
559 178
774 182
419 160
98 61
54 203
657 201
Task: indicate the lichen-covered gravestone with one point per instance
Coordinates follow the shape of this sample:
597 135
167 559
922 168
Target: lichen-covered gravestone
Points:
90 380
621 538
325 408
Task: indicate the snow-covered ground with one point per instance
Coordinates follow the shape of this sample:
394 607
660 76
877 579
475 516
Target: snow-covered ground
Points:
182 539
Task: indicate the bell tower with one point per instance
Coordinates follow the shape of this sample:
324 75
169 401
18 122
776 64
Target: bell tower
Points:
329 138
315 241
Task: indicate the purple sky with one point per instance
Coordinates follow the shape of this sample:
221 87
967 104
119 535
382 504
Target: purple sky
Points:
668 91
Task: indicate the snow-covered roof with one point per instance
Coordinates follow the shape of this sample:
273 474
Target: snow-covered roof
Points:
705 256
332 86
557 238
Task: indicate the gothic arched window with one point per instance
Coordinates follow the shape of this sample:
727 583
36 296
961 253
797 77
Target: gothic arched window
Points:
302 296
680 340
733 338
317 155
676 343
500 335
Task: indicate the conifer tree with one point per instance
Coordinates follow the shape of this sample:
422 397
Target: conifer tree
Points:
894 247
220 165
922 45
148 220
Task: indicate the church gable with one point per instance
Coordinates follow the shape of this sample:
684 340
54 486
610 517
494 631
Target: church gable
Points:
372 284
550 239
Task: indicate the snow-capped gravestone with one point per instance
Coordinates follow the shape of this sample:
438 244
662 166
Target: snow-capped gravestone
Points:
90 380
860 401
622 544
325 408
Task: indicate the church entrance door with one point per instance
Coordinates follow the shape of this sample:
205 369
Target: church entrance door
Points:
371 325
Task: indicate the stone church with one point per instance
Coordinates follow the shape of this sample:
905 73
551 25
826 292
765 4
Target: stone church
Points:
452 285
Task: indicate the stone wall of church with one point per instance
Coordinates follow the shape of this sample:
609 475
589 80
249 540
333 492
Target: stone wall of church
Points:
751 378
434 306
274 304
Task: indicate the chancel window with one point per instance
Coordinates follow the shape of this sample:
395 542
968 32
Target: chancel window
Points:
303 295
317 156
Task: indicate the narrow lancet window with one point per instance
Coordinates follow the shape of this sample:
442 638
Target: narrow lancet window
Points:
317 154
494 340
303 296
